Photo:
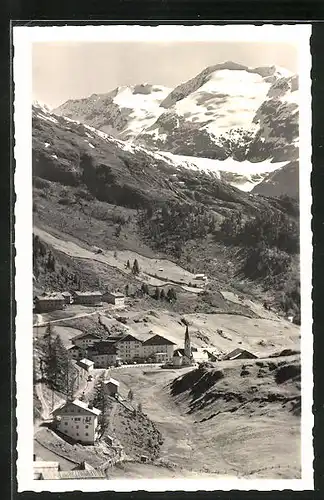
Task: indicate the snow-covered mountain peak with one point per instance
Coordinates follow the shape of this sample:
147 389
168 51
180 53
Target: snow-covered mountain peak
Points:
226 112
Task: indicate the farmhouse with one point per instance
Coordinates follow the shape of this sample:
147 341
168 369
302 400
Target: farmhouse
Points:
111 386
159 347
78 420
85 340
87 298
116 298
86 364
239 354
103 354
67 297
47 303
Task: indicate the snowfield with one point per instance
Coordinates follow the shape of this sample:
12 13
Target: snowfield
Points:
230 97
216 167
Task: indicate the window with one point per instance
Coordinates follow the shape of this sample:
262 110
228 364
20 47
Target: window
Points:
65 423
87 434
77 426
77 433
87 427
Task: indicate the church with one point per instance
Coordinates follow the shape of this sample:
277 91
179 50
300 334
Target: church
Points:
184 357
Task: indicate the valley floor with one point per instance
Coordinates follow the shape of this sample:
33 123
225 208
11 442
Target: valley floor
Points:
264 444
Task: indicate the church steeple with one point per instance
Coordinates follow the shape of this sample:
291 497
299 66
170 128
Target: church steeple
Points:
187 344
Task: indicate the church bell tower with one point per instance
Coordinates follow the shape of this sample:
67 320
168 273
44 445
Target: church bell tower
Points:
187 344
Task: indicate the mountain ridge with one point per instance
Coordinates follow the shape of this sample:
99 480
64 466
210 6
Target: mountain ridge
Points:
226 111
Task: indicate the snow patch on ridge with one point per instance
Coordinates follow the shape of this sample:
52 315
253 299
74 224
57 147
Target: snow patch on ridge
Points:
252 173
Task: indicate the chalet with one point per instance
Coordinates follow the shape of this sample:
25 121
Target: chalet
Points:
103 354
67 297
85 340
86 364
159 347
87 298
78 420
49 302
239 354
116 298
111 386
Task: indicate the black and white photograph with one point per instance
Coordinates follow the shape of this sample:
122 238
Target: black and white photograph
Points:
163 268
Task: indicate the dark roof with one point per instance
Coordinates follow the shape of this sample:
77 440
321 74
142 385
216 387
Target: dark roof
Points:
158 340
238 352
179 351
85 335
128 338
54 296
102 347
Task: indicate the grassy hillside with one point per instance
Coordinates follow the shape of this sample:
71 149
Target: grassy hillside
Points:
95 191
213 420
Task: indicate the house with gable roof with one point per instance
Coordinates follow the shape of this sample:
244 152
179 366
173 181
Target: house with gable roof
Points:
77 420
158 347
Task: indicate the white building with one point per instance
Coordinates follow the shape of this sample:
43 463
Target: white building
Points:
77 420
129 348
86 364
116 298
103 354
159 347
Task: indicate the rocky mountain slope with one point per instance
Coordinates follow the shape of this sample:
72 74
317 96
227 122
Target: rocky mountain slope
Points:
226 112
106 192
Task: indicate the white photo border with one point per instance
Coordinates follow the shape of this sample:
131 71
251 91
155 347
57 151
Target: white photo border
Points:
23 38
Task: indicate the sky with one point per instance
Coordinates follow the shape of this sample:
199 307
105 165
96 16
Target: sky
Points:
72 70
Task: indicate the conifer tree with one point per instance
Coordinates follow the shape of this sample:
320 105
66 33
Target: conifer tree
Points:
135 269
130 396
